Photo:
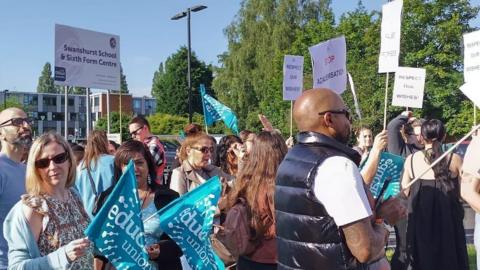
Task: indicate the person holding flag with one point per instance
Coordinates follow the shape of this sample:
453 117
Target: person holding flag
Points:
162 251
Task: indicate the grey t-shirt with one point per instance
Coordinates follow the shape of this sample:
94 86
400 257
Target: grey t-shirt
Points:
12 186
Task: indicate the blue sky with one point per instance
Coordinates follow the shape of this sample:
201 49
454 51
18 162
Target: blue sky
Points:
147 35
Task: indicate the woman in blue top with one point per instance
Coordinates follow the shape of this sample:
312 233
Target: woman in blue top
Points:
95 172
161 249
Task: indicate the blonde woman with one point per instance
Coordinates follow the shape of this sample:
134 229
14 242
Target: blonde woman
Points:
44 230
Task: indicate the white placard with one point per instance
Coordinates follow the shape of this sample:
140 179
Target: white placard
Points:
86 58
292 77
390 36
116 137
409 86
471 58
471 90
329 60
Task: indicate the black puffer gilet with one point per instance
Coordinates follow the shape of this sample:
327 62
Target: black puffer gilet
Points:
307 237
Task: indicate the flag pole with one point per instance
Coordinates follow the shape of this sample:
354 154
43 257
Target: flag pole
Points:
202 92
442 156
386 100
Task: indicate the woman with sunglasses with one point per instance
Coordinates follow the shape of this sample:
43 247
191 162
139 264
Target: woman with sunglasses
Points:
44 230
195 153
163 251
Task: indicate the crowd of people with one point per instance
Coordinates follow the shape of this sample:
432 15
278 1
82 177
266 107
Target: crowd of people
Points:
307 205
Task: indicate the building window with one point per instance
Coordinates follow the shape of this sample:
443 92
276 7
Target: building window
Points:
71 101
96 101
30 100
137 104
49 101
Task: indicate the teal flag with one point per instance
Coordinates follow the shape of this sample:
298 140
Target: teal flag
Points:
214 111
188 221
386 182
117 230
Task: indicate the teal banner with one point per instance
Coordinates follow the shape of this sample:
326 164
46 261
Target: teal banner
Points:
386 182
117 230
188 221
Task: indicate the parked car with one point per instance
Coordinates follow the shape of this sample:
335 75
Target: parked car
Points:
170 147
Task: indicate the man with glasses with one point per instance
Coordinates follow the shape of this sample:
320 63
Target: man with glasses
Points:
15 139
139 129
324 218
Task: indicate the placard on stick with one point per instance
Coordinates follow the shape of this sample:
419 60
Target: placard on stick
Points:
409 86
292 77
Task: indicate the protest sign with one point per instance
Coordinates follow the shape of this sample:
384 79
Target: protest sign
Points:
386 182
471 90
409 86
188 221
471 57
390 36
292 77
329 64
117 229
86 58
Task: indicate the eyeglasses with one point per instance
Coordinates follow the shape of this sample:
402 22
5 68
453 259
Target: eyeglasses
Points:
18 121
45 162
342 111
204 149
134 133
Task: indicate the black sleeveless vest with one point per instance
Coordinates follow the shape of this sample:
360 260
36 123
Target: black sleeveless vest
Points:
307 237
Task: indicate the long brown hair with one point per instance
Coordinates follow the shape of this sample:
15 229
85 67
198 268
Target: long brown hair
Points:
97 144
256 182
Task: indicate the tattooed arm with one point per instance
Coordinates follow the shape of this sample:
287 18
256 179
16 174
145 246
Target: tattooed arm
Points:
365 241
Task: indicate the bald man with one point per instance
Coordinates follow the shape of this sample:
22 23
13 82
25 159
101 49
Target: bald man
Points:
15 138
323 215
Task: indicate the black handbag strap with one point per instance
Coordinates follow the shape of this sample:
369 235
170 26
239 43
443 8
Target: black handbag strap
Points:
92 183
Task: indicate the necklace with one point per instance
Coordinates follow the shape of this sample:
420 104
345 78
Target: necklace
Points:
145 197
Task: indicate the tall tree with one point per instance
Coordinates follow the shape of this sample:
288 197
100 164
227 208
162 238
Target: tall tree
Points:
250 78
123 82
170 86
45 81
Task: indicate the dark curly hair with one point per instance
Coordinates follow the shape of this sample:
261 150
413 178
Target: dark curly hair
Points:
222 158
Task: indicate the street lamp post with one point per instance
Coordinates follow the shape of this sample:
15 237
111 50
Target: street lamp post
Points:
5 98
189 75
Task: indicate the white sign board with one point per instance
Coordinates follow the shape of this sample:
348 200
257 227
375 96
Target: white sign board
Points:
116 137
409 86
390 36
471 90
292 77
329 60
471 60
86 58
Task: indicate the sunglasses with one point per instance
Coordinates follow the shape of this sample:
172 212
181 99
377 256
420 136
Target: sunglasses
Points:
342 111
134 133
45 162
204 149
16 122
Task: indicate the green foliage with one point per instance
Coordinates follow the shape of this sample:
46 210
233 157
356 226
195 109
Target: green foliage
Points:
115 124
123 82
161 124
250 77
170 85
12 102
45 81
